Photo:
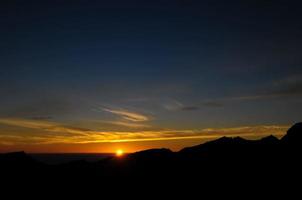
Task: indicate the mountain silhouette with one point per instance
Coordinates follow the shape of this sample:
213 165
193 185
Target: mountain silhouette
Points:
17 159
294 135
223 159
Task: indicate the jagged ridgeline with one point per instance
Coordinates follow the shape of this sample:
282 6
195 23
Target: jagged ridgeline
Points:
222 157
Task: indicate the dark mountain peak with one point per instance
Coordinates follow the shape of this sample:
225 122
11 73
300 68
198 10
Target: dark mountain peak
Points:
15 154
294 134
16 158
239 139
208 145
228 140
152 152
226 154
151 157
228 143
269 139
222 140
20 155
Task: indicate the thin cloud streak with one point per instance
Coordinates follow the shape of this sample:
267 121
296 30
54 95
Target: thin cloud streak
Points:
287 87
127 115
83 136
44 125
127 124
283 88
174 105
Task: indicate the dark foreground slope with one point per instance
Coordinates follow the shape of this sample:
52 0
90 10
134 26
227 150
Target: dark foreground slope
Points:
266 161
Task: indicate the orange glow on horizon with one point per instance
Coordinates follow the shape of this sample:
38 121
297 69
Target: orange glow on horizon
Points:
119 152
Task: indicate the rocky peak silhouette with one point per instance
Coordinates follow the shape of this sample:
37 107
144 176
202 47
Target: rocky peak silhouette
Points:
235 155
294 134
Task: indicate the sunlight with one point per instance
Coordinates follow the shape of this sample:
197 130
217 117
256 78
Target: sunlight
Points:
119 152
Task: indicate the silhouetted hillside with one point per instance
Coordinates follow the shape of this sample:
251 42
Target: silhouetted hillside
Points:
293 136
18 160
222 159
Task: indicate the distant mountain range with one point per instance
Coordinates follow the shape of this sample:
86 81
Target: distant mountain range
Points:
222 159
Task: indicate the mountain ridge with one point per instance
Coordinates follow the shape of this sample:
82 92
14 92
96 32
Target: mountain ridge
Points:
235 155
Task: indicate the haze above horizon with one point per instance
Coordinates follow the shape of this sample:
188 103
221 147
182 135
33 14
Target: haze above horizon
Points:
98 76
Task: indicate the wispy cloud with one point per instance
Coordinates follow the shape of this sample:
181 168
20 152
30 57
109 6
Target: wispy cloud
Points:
128 115
190 108
76 135
174 105
128 124
43 125
289 86
126 118
213 104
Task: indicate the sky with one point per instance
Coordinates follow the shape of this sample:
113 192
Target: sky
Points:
95 76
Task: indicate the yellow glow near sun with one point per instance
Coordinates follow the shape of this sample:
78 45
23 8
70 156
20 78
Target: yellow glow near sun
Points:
119 152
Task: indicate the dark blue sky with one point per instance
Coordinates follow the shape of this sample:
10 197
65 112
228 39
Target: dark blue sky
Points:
182 64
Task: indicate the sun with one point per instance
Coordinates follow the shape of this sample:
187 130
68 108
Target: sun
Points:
119 152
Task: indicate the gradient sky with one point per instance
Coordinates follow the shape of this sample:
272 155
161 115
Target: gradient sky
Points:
94 76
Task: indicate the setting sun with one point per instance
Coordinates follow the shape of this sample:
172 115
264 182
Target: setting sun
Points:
119 152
